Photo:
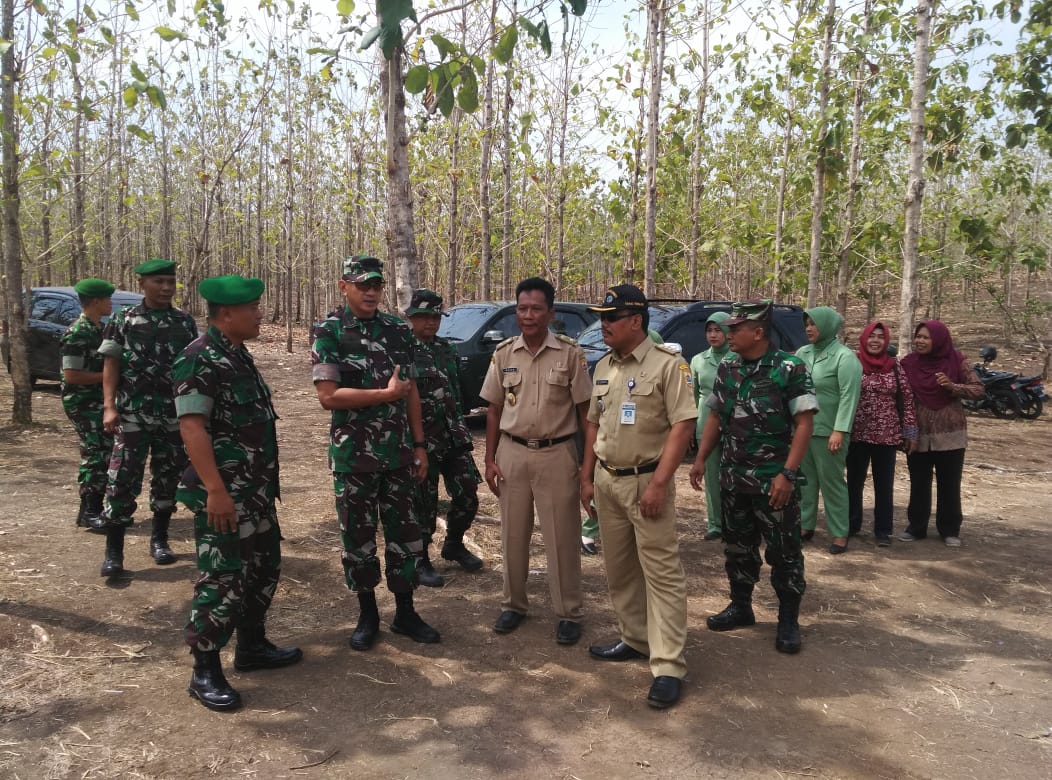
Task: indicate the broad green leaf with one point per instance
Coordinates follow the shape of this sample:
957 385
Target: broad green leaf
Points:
107 35
168 34
545 38
444 93
132 11
444 45
131 97
505 47
156 96
468 96
390 39
394 11
416 79
578 7
344 7
47 51
370 37
478 64
136 72
139 132
322 50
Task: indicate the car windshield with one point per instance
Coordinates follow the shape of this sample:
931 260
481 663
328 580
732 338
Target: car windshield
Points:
461 322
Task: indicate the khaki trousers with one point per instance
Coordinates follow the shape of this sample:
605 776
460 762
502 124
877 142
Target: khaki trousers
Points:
548 480
646 581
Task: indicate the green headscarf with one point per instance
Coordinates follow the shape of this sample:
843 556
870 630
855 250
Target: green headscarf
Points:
828 322
719 318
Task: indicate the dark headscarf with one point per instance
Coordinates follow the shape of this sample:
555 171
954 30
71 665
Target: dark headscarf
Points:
921 369
875 364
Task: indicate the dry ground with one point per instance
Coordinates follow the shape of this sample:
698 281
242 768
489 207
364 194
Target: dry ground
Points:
918 661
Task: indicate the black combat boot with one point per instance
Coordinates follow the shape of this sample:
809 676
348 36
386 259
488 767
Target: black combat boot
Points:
92 518
113 566
368 621
208 684
81 523
407 622
426 572
159 548
787 640
255 651
454 550
738 613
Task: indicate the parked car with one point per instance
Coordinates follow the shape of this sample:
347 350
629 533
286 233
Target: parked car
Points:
475 329
51 311
685 327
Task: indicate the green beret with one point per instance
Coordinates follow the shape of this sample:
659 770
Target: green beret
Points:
156 265
94 288
231 290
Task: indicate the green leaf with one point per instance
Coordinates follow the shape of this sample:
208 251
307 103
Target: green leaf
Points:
545 38
390 39
107 35
416 79
468 96
322 50
394 11
578 7
505 47
168 34
444 94
137 73
132 11
139 132
344 7
131 97
4 46
444 45
478 64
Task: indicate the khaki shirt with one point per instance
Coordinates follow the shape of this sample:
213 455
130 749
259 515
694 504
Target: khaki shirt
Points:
659 383
539 392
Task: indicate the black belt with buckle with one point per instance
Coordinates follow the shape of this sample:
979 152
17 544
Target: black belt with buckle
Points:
539 444
646 468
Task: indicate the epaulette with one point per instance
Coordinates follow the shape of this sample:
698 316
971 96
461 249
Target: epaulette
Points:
505 343
667 349
565 339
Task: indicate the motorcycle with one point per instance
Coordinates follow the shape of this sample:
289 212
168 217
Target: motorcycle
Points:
1008 395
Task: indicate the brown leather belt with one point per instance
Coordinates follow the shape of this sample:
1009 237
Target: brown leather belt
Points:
539 444
646 468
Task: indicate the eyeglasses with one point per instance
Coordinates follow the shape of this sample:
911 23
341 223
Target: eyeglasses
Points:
615 316
372 284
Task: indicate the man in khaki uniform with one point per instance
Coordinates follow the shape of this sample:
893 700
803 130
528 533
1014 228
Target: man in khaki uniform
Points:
537 388
640 420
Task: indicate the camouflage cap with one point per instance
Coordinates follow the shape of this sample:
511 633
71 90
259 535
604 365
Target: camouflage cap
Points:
623 296
156 266
758 310
424 302
362 268
94 288
231 290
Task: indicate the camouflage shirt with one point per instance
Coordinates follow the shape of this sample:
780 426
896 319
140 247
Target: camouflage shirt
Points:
438 380
80 352
214 378
756 401
363 353
147 342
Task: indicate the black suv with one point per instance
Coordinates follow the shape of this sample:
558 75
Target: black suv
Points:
475 329
685 327
51 311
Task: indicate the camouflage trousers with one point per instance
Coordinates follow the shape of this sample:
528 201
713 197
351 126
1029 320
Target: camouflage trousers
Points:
461 476
135 440
746 518
364 501
239 574
96 446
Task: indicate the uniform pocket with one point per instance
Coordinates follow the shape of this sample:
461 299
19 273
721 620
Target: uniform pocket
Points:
558 376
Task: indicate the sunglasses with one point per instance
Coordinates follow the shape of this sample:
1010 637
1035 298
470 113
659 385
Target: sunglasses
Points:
372 284
615 316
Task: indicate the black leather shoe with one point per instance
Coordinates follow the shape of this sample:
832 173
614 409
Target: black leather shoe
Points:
208 684
366 631
712 536
664 692
458 553
589 548
427 575
508 621
408 623
255 651
568 632
736 615
618 651
806 536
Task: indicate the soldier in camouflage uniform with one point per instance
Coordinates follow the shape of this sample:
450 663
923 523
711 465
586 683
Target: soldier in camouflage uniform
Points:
82 395
449 441
763 404
227 421
364 372
139 345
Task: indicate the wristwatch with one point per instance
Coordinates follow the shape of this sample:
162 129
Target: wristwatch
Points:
790 474
421 444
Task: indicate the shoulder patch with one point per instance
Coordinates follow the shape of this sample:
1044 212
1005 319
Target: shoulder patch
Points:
505 343
565 339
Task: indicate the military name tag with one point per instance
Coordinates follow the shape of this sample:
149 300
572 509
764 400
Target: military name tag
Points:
628 413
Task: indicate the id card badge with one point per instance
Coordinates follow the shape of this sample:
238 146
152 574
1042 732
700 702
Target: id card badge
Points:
628 413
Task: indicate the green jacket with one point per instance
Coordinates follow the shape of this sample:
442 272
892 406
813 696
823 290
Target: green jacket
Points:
835 371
